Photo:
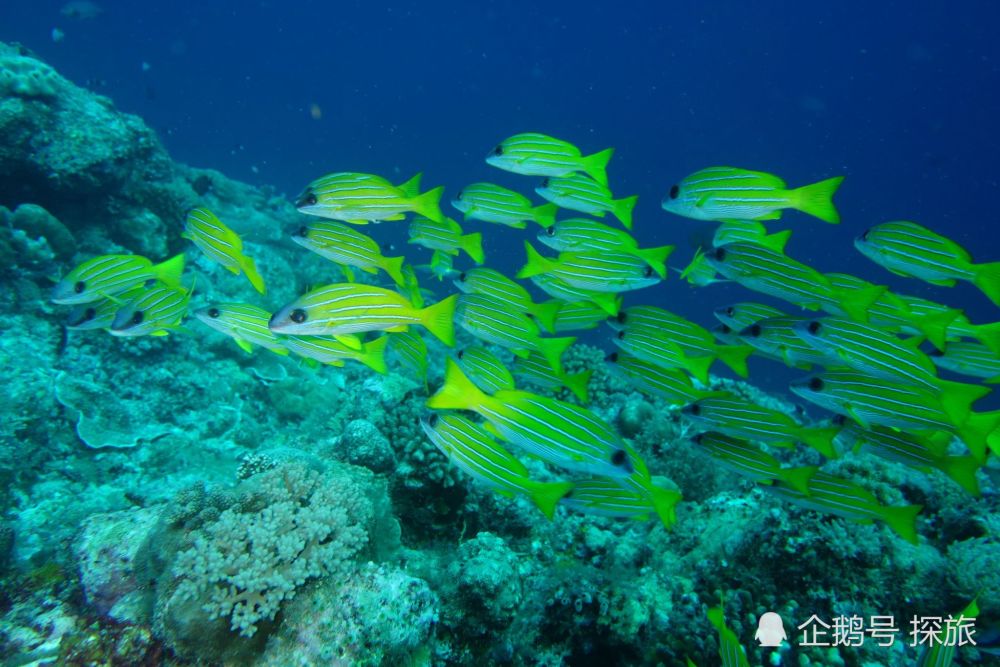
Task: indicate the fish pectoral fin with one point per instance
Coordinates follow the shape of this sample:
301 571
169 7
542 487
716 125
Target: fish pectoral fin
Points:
704 199
946 282
244 345
856 416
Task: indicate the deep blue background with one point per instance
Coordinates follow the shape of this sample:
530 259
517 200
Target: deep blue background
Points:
902 97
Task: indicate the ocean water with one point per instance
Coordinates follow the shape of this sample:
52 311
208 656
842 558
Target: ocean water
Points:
899 98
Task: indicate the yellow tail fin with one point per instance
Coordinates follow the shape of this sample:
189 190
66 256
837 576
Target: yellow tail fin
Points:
169 272
817 199
536 265
428 204
595 165
472 244
373 355
622 209
394 267
438 320
249 268
987 279
458 392
656 258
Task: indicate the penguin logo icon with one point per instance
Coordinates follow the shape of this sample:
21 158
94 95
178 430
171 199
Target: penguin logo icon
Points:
770 630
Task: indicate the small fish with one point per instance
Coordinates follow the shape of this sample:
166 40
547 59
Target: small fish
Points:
348 308
363 198
693 339
776 337
749 231
596 271
651 346
730 193
98 314
563 434
731 652
578 315
492 203
841 497
740 418
535 154
968 358
582 236
911 250
553 286
600 496
244 323
345 245
490 320
739 316
940 652
441 266
699 272
447 237
874 402
474 450
516 298
752 462
535 370
155 312
484 369
918 451
764 270
410 350
112 275
672 386
221 244
583 194
333 352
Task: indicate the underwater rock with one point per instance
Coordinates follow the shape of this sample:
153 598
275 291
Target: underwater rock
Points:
363 444
489 590
106 550
37 222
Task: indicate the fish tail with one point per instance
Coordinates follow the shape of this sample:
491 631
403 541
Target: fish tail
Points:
438 320
394 267
735 356
373 355
856 302
458 392
665 504
798 478
545 314
978 433
546 495
169 272
596 164
411 188
989 335
577 383
545 215
429 204
698 367
536 264
472 244
606 301
249 268
817 199
821 439
935 326
902 520
962 470
776 241
622 209
552 349
656 258
987 279
957 398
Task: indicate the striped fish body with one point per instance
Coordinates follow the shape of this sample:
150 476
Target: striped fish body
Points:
535 370
492 203
363 198
599 496
410 351
536 154
98 314
492 283
244 323
968 358
870 350
777 338
446 236
332 352
548 283
474 450
221 244
155 312
596 272
585 195
741 315
577 316
731 652
739 418
648 345
345 245
349 308
730 193
911 250
941 653
749 231
112 275
484 369
583 234
748 460
672 386
561 433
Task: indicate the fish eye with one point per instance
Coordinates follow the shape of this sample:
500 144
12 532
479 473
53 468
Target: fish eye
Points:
612 357
88 315
498 150
730 310
213 312
725 329
755 330
864 237
621 335
460 354
307 200
621 317
432 421
694 409
458 197
298 316
647 272
137 317
935 353
551 231
619 457
303 231
696 438
816 384
545 183
814 327
79 286
462 276
720 254
674 191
